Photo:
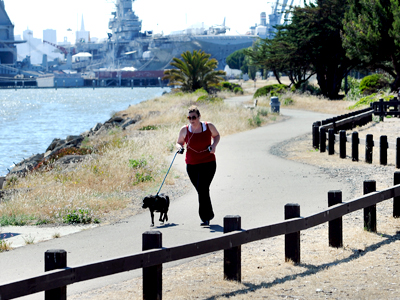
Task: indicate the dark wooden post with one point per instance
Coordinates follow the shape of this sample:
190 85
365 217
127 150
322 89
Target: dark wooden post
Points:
233 256
369 145
398 153
316 134
53 260
381 110
335 226
354 146
396 200
383 146
331 141
370 211
292 240
342 143
322 139
152 276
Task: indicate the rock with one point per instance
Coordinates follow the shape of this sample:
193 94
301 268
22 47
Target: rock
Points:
86 133
2 180
115 120
53 144
97 127
127 123
73 138
70 159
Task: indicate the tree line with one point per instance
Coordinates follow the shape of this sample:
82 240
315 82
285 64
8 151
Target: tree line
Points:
328 39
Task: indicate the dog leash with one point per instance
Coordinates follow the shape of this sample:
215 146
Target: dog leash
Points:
167 172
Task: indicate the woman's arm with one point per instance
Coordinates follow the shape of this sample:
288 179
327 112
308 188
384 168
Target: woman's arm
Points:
181 138
215 136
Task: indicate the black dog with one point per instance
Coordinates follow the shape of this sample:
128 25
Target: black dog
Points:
158 203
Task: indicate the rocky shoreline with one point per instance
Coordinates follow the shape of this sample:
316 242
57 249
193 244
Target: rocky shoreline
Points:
64 152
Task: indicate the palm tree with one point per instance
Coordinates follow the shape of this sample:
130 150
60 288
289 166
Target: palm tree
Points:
196 70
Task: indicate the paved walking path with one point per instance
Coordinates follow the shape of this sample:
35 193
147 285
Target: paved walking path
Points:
249 182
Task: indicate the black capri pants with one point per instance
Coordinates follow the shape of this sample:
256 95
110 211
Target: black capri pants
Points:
201 176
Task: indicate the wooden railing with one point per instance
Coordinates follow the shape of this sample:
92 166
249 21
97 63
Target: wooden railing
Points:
55 282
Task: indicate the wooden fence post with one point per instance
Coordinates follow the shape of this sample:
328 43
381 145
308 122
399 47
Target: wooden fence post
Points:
370 211
354 146
322 139
292 240
396 200
383 146
335 226
152 276
331 141
233 256
53 260
398 153
315 131
369 145
342 143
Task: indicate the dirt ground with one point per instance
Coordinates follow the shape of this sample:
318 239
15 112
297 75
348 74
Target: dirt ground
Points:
367 267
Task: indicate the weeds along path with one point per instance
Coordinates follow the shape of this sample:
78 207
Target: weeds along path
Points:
250 182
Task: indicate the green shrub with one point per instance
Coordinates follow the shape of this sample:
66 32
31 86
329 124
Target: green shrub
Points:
270 90
367 100
149 127
137 163
263 112
238 90
306 87
353 88
226 85
373 83
79 216
201 91
209 99
287 101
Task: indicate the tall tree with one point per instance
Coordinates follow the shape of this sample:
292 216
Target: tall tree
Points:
196 70
319 27
371 33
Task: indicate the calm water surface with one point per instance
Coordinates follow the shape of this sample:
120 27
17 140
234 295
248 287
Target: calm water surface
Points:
31 118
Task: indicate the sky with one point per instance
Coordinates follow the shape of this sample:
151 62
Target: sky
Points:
157 15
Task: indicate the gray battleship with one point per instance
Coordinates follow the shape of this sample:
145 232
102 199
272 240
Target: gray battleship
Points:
128 46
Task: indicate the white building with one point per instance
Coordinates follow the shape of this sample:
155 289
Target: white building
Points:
82 36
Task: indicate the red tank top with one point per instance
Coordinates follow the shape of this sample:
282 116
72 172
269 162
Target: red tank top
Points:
197 144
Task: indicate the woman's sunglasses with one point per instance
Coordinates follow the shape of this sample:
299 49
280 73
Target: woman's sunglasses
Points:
192 118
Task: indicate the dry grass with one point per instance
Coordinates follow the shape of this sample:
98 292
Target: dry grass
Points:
109 181
365 268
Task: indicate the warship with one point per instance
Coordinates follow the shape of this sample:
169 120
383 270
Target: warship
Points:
128 46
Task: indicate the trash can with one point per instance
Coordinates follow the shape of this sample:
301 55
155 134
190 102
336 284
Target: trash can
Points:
275 104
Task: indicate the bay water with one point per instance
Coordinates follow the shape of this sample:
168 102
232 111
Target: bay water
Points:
31 118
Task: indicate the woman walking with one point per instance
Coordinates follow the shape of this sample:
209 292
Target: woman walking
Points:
201 139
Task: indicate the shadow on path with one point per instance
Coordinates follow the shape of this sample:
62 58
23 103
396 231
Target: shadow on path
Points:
311 269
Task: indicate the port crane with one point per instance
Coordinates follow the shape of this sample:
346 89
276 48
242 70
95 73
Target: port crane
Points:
61 48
